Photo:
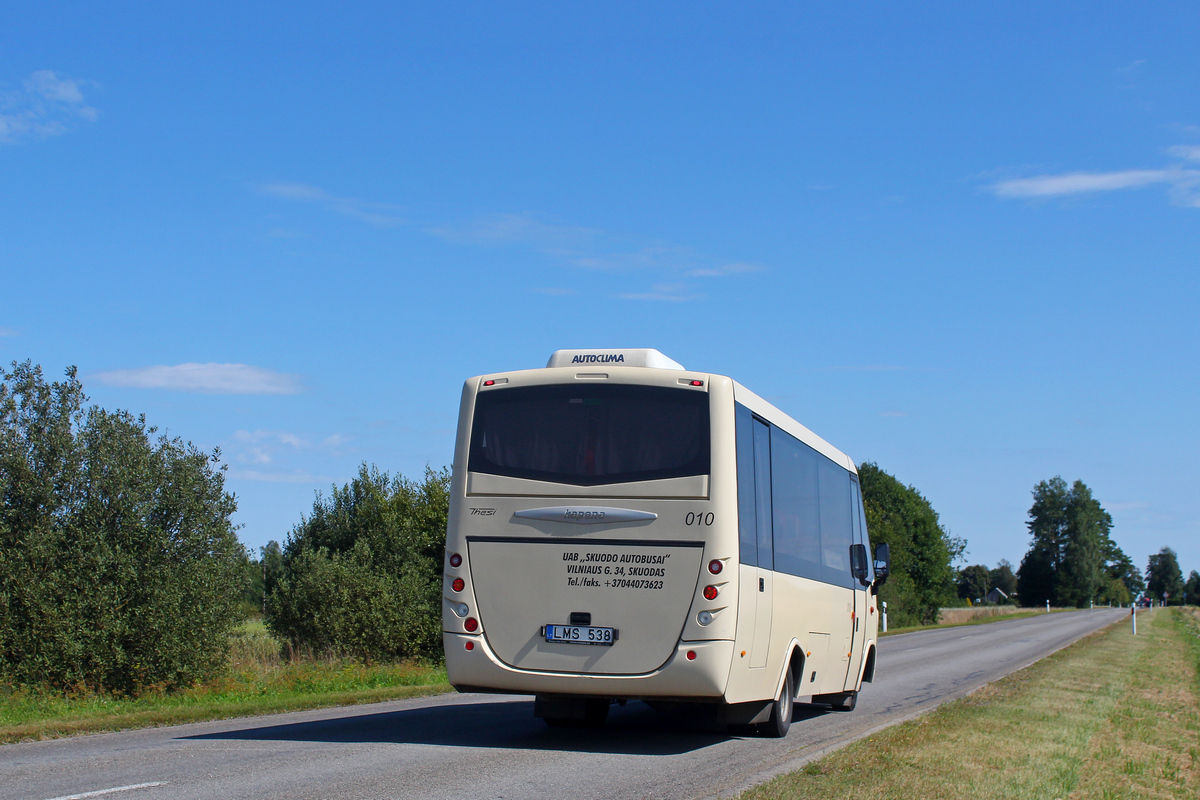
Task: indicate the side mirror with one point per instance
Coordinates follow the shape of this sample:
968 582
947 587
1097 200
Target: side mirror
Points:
858 564
883 563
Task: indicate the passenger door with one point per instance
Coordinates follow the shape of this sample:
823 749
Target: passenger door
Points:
862 600
766 558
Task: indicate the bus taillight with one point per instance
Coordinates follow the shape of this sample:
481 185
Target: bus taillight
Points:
710 593
715 566
456 560
459 584
471 625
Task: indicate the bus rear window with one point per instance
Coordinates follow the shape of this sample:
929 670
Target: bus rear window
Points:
588 435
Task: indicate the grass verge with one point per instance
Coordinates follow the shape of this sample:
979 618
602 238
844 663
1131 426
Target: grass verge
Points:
256 682
1112 716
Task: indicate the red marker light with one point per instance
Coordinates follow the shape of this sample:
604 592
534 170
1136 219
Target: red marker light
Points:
691 655
456 560
715 566
470 645
710 593
471 624
458 585
489 383
697 383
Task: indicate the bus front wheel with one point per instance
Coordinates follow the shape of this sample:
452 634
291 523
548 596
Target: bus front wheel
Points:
781 710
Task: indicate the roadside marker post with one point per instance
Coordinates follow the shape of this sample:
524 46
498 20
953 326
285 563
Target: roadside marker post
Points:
1133 614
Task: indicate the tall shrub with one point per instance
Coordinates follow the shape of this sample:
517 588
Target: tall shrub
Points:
119 565
362 576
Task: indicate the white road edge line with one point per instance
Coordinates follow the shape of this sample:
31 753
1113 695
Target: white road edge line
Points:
100 792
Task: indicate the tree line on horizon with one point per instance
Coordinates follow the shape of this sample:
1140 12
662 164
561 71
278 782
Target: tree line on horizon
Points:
1072 560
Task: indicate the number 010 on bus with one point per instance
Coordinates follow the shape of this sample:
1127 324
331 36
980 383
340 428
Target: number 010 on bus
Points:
622 528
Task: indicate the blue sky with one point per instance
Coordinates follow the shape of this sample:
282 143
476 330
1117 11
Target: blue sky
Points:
959 242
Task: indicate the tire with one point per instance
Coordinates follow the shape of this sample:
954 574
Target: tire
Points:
781 710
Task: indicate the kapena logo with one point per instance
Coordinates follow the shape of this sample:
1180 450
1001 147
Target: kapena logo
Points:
608 358
569 514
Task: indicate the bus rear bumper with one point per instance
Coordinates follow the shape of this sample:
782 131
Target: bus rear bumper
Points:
680 678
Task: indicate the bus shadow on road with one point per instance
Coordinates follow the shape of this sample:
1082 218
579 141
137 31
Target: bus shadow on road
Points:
634 729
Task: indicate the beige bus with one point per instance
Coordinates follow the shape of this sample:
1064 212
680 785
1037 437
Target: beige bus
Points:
623 528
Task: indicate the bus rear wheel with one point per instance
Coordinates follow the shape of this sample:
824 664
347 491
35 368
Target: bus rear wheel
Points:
781 710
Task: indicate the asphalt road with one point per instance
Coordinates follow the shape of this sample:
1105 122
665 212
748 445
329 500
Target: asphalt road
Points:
490 746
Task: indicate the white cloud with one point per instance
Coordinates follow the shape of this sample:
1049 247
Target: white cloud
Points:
663 292
1183 183
204 378
382 215
46 105
1079 182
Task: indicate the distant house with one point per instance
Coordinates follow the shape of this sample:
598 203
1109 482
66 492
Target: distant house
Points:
997 596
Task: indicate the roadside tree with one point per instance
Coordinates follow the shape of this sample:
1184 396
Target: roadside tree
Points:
973 582
1191 589
1164 579
119 565
1067 562
922 551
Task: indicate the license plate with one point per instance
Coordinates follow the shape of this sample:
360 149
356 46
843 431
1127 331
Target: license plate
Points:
580 634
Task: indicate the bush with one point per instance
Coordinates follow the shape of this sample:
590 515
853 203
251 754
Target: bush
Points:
119 566
362 576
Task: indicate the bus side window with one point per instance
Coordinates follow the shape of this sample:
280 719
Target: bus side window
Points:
747 520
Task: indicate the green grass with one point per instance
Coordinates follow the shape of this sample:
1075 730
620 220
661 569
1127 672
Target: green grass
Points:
1112 716
257 681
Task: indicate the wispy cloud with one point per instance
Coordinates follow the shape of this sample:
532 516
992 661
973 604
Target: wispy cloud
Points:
737 268
517 229
383 215
45 105
664 293
262 448
574 246
1183 183
204 378
1187 152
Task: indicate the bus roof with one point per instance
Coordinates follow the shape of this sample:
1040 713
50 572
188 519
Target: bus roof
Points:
632 357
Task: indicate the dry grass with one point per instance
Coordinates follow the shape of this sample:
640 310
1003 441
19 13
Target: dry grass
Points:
1113 716
959 616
